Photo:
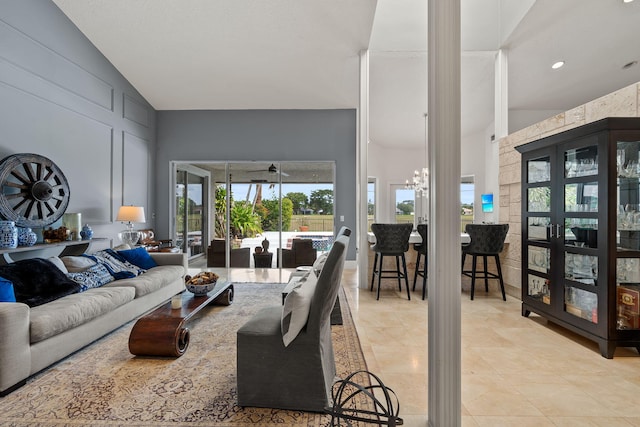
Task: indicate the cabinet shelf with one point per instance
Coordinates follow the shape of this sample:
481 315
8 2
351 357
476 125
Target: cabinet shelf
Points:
67 247
581 217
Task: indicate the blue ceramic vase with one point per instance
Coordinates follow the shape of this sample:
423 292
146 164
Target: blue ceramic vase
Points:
8 235
86 233
26 237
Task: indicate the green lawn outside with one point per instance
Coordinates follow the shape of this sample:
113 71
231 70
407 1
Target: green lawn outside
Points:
325 222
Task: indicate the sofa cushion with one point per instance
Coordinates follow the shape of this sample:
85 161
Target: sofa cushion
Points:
154 279
139 257
77 263
93 277
119 267
37 281
295 312
6 291
74 310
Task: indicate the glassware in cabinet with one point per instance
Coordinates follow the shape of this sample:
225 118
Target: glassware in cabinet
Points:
581 161
586 216
628 293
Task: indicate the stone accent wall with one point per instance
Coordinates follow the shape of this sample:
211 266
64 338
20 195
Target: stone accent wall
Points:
622 103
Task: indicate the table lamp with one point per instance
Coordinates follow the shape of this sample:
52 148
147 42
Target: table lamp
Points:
130 214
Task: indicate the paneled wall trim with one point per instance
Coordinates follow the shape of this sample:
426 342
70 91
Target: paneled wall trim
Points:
135 111
30 56
62 99
622 103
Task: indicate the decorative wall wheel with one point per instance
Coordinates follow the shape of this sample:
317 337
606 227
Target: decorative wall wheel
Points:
34 191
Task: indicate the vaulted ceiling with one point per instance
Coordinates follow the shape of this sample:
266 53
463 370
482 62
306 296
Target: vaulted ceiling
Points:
303 54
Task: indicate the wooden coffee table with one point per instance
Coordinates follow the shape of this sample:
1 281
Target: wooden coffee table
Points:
163 332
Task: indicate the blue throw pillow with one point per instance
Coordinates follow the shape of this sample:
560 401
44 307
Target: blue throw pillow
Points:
93 277
6 291
115 263
138 257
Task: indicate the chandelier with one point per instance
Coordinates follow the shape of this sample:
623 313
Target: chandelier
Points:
420 181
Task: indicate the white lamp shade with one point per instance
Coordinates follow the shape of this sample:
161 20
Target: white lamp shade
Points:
131 214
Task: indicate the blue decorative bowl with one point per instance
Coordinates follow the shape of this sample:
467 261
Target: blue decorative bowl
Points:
200 290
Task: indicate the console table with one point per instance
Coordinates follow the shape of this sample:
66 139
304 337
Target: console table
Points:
64 248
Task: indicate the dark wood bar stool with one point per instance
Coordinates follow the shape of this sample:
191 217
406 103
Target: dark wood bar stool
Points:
421 249
486 240
391 240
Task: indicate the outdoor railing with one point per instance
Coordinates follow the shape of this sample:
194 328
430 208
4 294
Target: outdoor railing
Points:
312 224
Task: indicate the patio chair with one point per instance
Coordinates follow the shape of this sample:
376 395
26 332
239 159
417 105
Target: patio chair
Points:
217 255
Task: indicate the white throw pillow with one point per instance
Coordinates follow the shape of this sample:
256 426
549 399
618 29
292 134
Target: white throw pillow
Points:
75 264
58 263
319 263
295 311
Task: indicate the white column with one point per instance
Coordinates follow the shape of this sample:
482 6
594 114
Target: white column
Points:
444 387
362 172
500 129
501 97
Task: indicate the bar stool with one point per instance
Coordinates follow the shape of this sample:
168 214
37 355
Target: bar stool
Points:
486 240
391 240
421 249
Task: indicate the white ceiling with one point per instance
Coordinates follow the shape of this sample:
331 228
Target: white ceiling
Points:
303 54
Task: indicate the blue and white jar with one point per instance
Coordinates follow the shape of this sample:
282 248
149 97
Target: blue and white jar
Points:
86 233
8 235
26 237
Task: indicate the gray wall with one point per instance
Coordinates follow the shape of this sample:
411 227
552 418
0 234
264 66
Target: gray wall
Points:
269 135
60 98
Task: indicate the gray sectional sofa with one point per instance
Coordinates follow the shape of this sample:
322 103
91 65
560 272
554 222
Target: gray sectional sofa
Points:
32 338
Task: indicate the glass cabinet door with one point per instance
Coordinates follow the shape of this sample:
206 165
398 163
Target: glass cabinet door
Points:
628 236
538 229
580 232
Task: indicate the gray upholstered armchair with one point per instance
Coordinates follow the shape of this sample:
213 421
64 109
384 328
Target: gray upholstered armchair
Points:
298 376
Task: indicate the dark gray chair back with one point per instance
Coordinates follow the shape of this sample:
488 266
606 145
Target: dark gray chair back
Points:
391 238
486 239
327 287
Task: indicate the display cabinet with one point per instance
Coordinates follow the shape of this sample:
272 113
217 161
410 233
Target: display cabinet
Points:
581 231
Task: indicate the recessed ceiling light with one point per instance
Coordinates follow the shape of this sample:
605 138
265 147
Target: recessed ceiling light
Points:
557 65
627 1
629 65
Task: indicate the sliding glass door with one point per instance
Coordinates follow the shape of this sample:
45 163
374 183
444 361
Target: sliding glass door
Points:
258 209
191 210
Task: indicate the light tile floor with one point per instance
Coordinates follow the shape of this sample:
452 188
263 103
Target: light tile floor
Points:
516 371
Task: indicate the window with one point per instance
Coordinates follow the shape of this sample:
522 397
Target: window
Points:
467 195
405 201
371 202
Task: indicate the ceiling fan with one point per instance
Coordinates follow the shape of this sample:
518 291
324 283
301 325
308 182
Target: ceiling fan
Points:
271 169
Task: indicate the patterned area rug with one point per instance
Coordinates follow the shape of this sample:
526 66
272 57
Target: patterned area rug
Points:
105 385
